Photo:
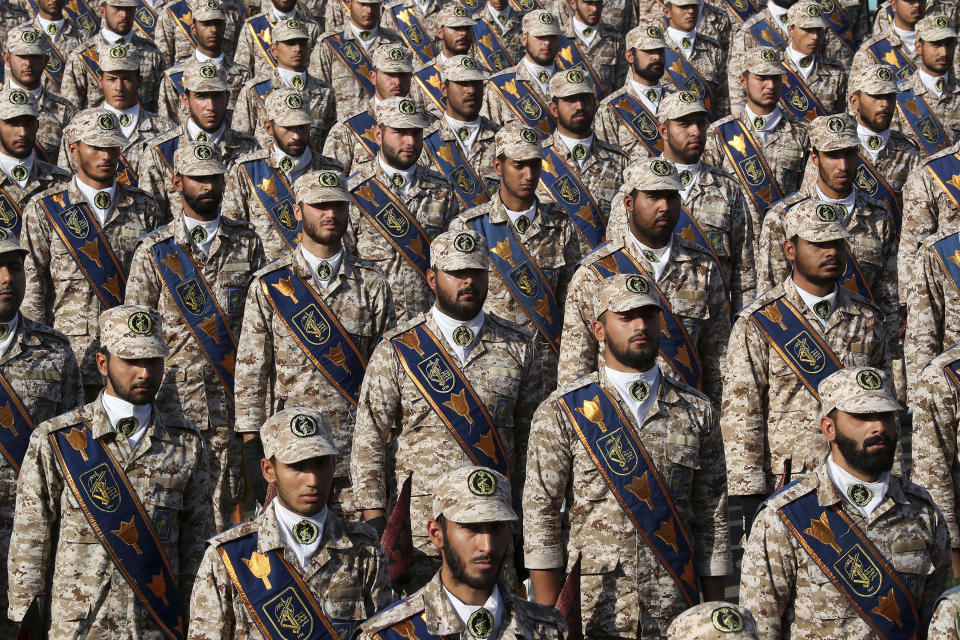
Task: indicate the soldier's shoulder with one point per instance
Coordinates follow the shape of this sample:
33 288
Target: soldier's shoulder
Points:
763 300
540 619
162 123
44 332
915 492
64 420
872 40
151 238
146 45
403 327
795 198
793 122
934 368
875 204
362 172
90 42
689 250
835 65
258 154
478 211
139 196
507 329
369 270
390 35
326 35
235 533
616 95
176 421
237 228
611 149
430 179
362 536
166 136
903 142
235 138
394 614
689 394
722 121
51 172
577 383
710 40
791 492
860 305
509 71
176 67
949 151
601 251
50 98
276 265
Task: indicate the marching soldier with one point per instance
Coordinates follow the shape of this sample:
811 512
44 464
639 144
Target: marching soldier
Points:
601 43
850 551
40 379
713 621
504 21
453 386
260 186
118 556
674 528
253 45
456 36
196 271
423 204
63 36
335 570
894 44
318 289
694 60
470 521
81 236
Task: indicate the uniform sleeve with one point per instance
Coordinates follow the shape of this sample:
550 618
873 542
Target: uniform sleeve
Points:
152 82
772 265
920 215
246 52
946 620
211 602
35 238
925 316
143 283
255 363
169 106
377 589
710 534
743 274
236 194
152 176
529 396
578 347
769 573
886 294
73 87
712 341
320 66
942 576
196 519
339 145
71 389
165 37
243 113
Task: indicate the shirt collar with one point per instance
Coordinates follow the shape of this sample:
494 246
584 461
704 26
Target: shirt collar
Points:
37 93
408 174
779 14
449 325
930 82
369 42
584 31
868 136
694 172
214 138
493 605
631 386
210 228
529 214
313 262
202 57
796 57
45 27
287 75
658 258
118 409
133 112
534 69
7 163
287 520
473 128
506 13
90 196
571 144
300 163
641 90
111 37
680 37
813 300
848 203
770 121
845 483
908 38
283 15
11 332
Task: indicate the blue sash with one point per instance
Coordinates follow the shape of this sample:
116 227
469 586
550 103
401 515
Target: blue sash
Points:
263 90
315 328
76 11
489 48
641 123
183 16
676 347
413 32
429 80
767 35
275 595
799 344
839 23
125 173
632 477
797 98
353 58
449 159
894 56
89 247
948 165
166 150
40 152
571 56
690 230
394 222
567 189
362 127
56 63
924 125
413 628
145 19
261 30
749 164
447 390
101 488
953 372
686 78
854 566
16 423
176 78
470 5
947 252
91 60
275 196
743 9
871 183
524 6
11 215
198 308
524 102
523 277
853 278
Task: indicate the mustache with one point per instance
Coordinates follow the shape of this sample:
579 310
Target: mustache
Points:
877 439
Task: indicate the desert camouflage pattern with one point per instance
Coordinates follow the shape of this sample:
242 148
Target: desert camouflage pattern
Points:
81 89
250 113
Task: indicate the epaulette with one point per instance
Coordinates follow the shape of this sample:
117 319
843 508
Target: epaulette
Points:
233 533
279 263
509 326
397 612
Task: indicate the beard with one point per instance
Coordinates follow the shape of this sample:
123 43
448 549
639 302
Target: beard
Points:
394 160
651 74
463 311
458 568
206 205
814 278
133 396
639 360
872 464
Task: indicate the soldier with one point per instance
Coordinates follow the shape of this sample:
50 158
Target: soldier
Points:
782 344
504 22
11 15
713 621
850 551
220 256
259 189
253 46
646 571
342 57
120 556
470 526
280 360
352 137
694 60
425 18
765 147
601 43
40 380
479 414
291 49
455 33
574 152
63 36
205 97
696 314
81 236
423 204
621 15
894 43
80 86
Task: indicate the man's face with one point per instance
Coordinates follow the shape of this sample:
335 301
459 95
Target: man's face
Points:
120 88
684 17
867 441
400 147
519 179
762 90
630 338
464 98
686 137
456 40
292 54
98 163
51 7
821 263
473 554
202 193
647 65
543 50
17 135
390 85
804 40
365 16
324 223
209 33
13 283
207 108
653 214
588 11
27 71
117 19
460 294
837 169
302 487
876 112
575 113
292 141
284 6
937 56
136 381
908 12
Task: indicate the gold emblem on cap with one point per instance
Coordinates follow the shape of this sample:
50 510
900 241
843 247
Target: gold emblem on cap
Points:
883 73
102 200
460 12
207 71
826 213
19 173
294 24
637 284
822 309
835 124
869 379
529 135
687 96
286 164
306 532
727 620
480 624
328 179
407 107
118 52
303 426
29 36
768 54
941 22
468 63
203 152
396 53
654 32
814 11
874 142
126 426
324 271
546 18
105 122
574 76
294 101
199 234
464 243
296 82
213 4
18 97
660 167
640 391
463 336
482 483
140 323
522 224
859 494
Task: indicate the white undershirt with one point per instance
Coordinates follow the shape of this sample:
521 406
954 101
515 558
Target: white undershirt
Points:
529 214
623 380
133 112
111 37
448 325
580 28
369 43
847 203
473 127
796 57
641 91
677 36
662 255
930 82
287 75
118 409
287 520
502 26
572 142
779 15
44 25
210 226
193 130
313 262
843 480
771 120
493 604
534 69
300 163
89 196
202 57
908 38
812 300
409 175
694 170
865 134
37 93
283 15
11 331
7 163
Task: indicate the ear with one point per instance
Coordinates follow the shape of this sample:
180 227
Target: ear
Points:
829 428
74 149
552 108
101 9
435 533
432 280
378 134
917 46
854 101
743 81
6 58
498 167
267 470
185 101
268 127
662 128
523 39
102 364
298 213
789 251
177 182
273 49
598 331
443 89
815 158
666 10
628 203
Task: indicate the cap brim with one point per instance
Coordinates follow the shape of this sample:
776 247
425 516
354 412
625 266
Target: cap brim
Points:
104 139
136 348
331 195
297 120
300 451
523 156
201 172
488 511
459 264
873 405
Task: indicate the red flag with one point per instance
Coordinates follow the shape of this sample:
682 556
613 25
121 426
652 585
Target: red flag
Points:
397 540
568 602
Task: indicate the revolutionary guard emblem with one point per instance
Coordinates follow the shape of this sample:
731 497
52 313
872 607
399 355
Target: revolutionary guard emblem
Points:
619 455
303 425
752 170
105 122
826 213
296 82
574 76
941 22
192 296
815 10
18 97
859 494
284 214
482 483
883 73
640 391
807 353
313 326
203 152
835 124
306 532
464 243
29 36
286 164
4 234
637 284
687 96
19 173
460 12
199 234
118 52
213 4
654 32
289 615
437 373
126 426
525 279
140 323
865 181
101 488
236 296
294 24
546 18
768 55
480 624
727 620
102 200
407 107
328 179
798 99
869 379
208 71
391 219
858 571
569 192
528 135
396 53
468 63
463 336
294 101
660 168
874 142
75 223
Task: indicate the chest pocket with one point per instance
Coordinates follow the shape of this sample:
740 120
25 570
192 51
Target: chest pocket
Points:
505 384
713 219
165 505
912 562
692 311
683 454
344 606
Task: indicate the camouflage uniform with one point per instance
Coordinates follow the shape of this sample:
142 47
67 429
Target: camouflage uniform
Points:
69 36
618 14
508 31
864 57
495 107
426 14
171 101
42 177
149 126
945 624
713 621
176 46
712 21
605 54
709 58
946 108
248 51
11 15
480 157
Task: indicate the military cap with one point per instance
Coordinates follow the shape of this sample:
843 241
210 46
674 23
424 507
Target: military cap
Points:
133 331
541 24
198 159
572 82
857 390
25 40
118 57
370 1
97 127
652 174
121 3
390 58
764 61
17 102
463 69
204 76
400 113
934 29
875 80
287 107
10 244
683 3
318 187
454 15
674 106
625 292
646 36
296 434
806 14
287 30
456 250
207 10
814 221
473 494
834 133
713 621
518 142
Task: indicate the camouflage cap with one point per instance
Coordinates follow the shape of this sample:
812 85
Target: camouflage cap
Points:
834 133
318 187
370 1
541 24
764 61
624 292
121 3
473 494
25 40
118 57
17 102
133 331
454 15
814 221
296 434
456 250
934 29
683 3
204 76
652 174
208 10
96 127
198 159
573 82
646 36
10 244
390 58
400 113
287 107
806 14
875 80
713 621
857 390
463 69
287 30
518 142
674 106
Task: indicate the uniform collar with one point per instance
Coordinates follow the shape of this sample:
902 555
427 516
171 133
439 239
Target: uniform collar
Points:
529 214
930 82
779 15
210 228
90 197
796 57
37 93
282 15
848 203
449 326
813 301
371 39
473 128
408 175
111 37
193 130
300 163
45 27
908 38
868 136
850 487
657 258
493 605
10 334
313 262
287 520
7 164
630 386
680 37
134 115
643 92
694 172
200 57
535 69
117 409
287 77
770 121
585 32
